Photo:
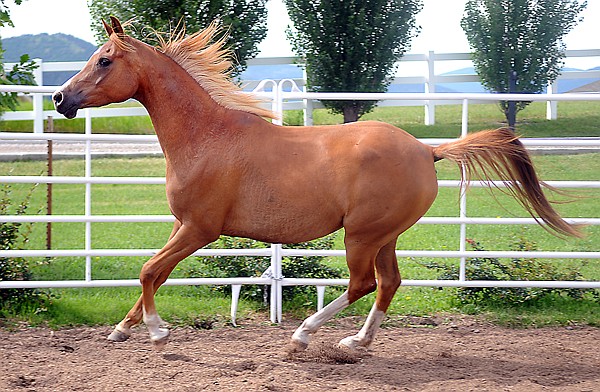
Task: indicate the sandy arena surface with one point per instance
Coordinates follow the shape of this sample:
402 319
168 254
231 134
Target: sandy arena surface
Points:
426 354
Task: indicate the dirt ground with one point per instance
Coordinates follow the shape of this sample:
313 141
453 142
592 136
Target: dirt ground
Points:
417 354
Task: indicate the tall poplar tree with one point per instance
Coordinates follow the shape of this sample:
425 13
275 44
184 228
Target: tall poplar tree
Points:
245 20
351 45
520 36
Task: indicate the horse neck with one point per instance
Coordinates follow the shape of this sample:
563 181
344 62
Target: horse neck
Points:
182 112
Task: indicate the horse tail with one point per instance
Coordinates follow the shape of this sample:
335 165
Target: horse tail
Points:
500 154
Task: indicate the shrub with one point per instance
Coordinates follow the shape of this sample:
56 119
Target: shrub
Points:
12 236
519 269
254 266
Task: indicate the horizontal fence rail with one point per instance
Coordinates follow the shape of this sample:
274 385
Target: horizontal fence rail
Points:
415 68
273 276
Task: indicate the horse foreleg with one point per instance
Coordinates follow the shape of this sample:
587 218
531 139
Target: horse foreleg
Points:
388 281
362 282
122 331
155 272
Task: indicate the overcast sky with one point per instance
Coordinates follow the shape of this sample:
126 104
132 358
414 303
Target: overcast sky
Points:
440 22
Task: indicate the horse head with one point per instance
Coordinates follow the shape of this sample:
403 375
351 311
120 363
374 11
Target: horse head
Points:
108 76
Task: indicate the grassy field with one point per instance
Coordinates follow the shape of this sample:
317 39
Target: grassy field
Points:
184 304
187 304
574 119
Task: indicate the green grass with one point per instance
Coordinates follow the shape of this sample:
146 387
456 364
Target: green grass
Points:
185 304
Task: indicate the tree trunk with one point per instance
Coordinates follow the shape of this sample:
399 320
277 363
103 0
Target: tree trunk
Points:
350 113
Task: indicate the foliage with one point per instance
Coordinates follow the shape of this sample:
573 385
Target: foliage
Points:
246 20
517 269
5 14
12 236
253 266
20 73
519 35
351 46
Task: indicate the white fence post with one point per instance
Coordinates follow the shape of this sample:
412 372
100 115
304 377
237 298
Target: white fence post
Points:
463 197
38 99
430 88
308 111
276 287
552 106
88 195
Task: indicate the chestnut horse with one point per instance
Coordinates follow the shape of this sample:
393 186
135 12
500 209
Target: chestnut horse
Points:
231 172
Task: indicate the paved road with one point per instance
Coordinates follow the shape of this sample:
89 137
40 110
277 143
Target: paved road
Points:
31 150
37 150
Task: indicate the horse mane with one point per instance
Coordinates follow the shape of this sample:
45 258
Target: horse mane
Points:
207 60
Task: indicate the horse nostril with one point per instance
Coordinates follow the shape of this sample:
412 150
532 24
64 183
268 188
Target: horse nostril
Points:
57 97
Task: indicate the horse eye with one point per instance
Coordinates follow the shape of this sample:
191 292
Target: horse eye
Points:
104 62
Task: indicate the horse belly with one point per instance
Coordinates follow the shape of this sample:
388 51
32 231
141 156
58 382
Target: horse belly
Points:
284 220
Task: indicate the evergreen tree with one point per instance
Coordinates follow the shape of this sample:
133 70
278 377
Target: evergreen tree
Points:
520 36
351 45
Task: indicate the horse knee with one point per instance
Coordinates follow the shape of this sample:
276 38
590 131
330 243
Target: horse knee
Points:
148 274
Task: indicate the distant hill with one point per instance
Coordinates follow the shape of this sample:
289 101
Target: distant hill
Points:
54 47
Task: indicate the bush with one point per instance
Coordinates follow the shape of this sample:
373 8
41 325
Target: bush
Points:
12 236
518 269
253 266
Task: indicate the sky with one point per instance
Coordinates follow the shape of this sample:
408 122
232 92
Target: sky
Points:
439 21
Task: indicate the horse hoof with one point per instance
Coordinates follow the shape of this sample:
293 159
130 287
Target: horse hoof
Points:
159 344
350 343
117 336
297 346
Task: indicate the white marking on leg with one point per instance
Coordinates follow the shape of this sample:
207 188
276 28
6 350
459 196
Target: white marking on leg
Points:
366 335
300 338
154 324
121 332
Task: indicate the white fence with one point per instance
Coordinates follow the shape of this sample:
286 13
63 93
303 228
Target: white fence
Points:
416 69
274 277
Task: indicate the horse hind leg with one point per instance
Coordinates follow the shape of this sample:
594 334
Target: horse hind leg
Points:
388 281
360 260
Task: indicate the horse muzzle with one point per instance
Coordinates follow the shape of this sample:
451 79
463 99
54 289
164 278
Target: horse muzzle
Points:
65 104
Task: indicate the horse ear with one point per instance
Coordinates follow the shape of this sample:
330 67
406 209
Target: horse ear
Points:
116 26
109 30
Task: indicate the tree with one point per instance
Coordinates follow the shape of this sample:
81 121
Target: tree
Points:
520 36
351 45
246 20
20 73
